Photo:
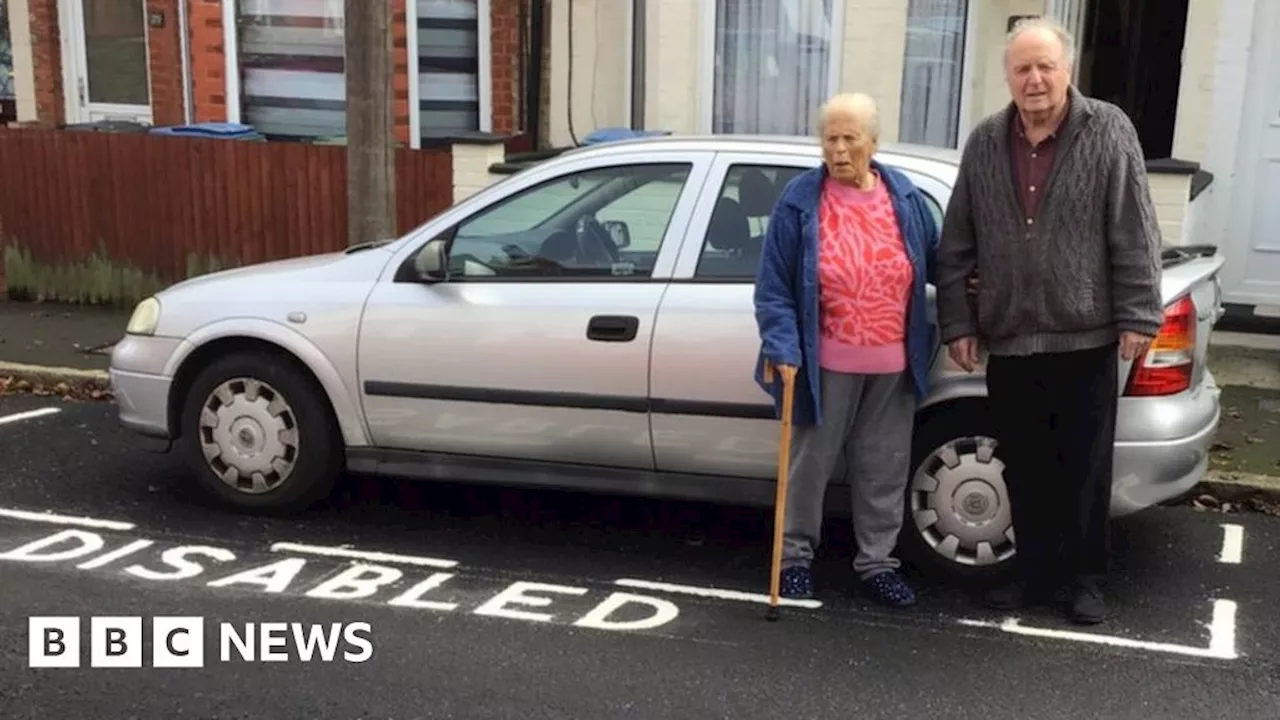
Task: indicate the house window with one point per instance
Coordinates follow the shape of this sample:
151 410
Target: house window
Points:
932 72
772 65
449 66
292 60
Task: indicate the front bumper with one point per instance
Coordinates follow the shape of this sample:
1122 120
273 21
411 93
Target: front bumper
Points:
141 384
1149 471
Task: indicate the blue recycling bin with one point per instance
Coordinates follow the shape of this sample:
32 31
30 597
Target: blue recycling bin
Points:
213 130
614 134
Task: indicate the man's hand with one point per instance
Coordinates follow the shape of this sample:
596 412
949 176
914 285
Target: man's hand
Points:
1133 345
964 352
971 287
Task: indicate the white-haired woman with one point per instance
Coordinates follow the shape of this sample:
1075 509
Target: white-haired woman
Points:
840 304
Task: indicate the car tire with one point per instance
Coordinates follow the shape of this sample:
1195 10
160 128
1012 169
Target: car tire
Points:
262 414
961 502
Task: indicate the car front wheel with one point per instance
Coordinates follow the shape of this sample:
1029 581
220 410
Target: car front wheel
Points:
958 521
259 434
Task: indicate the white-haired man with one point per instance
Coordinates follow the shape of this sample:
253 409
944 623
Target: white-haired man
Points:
1053 210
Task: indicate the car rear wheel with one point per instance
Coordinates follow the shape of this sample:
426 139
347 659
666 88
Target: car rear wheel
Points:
957 520
259 434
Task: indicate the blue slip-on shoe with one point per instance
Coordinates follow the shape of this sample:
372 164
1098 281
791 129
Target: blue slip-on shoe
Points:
888 588
796 583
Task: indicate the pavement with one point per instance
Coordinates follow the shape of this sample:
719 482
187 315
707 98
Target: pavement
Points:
494 603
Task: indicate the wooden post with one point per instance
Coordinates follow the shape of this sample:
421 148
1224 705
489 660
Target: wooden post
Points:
371 159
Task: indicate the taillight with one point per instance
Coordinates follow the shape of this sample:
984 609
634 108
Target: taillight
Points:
1167 367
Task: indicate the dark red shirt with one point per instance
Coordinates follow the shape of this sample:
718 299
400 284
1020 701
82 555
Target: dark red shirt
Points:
1031 165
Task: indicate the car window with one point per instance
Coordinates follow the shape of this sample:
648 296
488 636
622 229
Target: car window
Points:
600 223
735 235
935 209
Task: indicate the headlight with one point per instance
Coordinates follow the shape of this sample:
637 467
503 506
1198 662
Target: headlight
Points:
145 317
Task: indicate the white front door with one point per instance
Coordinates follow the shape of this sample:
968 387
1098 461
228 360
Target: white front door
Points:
1257 276
105 60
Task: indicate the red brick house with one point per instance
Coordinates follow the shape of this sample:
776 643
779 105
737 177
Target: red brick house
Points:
277 64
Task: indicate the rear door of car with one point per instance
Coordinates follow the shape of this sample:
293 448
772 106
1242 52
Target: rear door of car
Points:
709 416
522 353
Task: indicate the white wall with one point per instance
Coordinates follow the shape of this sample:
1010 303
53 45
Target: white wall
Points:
24 79
1210 108
601 68
672 62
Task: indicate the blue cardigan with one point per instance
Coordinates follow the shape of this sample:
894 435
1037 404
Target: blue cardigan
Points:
786 290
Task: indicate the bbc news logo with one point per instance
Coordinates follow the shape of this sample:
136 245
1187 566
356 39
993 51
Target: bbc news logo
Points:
179 642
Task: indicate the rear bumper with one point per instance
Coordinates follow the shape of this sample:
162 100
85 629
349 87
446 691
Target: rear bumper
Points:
1148 472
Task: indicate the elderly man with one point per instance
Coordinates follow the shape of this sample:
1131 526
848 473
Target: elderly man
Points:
1053 212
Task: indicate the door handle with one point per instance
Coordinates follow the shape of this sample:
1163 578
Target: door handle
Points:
613 328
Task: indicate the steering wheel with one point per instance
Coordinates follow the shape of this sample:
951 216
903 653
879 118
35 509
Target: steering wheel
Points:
594 243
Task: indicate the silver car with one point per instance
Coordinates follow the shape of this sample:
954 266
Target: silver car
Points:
587 323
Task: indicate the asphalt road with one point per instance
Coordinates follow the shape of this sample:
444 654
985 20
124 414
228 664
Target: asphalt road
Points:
504 604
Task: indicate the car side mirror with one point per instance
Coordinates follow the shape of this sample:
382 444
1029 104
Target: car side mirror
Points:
432 262
619 232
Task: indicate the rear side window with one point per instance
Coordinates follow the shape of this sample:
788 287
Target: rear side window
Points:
735 235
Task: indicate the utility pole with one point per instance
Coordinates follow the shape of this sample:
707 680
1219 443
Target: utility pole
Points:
371 160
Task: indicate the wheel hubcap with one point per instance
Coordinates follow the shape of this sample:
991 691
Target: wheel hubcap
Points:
960 505
249 435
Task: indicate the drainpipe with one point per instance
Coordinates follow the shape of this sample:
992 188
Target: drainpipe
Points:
184 39
533 83
637 63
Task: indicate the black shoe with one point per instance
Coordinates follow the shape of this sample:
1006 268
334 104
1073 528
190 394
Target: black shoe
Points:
1087 605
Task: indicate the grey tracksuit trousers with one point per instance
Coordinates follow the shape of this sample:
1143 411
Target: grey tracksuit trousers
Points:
869 418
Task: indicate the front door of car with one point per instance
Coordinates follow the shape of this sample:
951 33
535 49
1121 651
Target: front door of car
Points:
534 345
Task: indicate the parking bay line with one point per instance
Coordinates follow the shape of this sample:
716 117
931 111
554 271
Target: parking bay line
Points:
367 555
717 593
1232 543
55 519
29 415
1222 635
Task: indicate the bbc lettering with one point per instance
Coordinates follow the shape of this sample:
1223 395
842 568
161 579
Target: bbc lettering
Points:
178 642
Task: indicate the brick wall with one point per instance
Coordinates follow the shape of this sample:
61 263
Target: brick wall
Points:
504 42
165 44
46 59
400 69
208 69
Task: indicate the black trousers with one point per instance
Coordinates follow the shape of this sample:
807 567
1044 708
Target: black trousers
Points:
1055 418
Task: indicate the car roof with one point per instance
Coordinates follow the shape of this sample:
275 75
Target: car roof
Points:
946 160
757 143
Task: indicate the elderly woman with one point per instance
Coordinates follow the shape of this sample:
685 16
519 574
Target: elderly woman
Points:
840 303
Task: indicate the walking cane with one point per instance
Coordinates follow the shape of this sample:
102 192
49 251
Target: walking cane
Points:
780 502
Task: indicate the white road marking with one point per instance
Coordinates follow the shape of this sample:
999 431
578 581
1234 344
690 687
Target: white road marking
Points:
29 415
718 593
1222 635
65 519
1232 543
370 556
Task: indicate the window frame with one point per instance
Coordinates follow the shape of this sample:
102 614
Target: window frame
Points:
686 270
484 69
707 59
232 70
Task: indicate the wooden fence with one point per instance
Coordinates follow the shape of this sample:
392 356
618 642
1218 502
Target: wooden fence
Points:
84 214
